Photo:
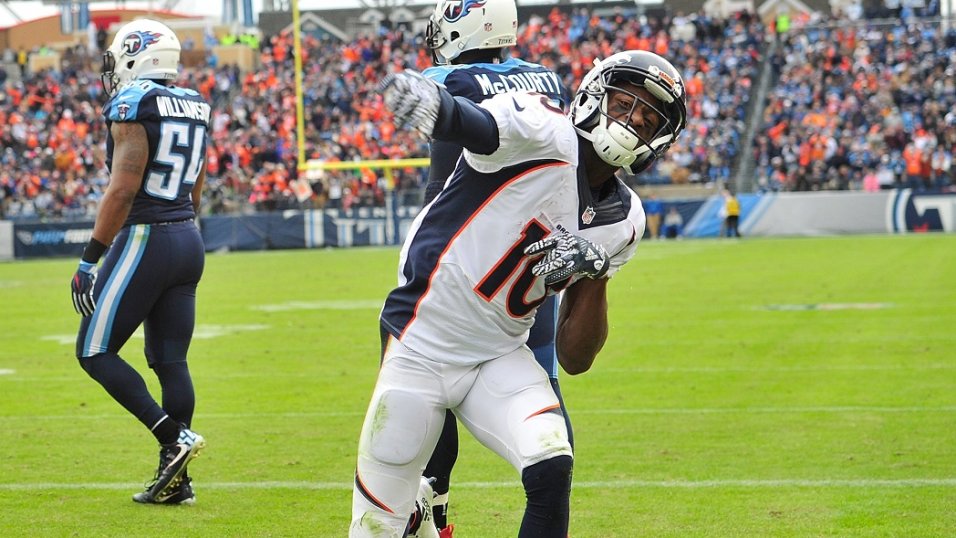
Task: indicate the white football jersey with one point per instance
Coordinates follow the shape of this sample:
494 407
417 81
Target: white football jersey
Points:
465 290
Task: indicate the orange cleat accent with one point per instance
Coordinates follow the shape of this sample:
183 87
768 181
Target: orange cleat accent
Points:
446 532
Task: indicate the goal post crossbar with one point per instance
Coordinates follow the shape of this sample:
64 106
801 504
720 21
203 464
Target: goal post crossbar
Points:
386 165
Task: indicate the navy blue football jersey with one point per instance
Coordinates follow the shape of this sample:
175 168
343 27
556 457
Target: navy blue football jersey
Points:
477 82
176 122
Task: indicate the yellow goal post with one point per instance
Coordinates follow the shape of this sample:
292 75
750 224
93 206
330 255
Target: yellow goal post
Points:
398 212
386 165
305 166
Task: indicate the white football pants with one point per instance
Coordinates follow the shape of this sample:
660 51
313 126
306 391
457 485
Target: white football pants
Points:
507 403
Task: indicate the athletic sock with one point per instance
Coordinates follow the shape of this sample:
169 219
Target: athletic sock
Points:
440 510
166 431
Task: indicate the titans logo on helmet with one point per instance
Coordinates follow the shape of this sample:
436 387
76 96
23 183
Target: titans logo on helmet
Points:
457 10
137 42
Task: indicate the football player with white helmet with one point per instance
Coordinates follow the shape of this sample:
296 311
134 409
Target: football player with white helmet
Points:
156 154
469 43
533 208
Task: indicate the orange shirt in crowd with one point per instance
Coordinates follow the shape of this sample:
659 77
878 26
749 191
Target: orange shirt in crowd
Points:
914 160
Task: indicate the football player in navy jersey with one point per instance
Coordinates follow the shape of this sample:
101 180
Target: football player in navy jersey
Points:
533 208
469 43
154 254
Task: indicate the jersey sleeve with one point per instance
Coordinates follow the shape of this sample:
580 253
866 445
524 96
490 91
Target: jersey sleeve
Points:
133 103
528 129
436 73
456 80
626 247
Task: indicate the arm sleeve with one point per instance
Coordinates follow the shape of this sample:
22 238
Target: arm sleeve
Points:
464 123
444 156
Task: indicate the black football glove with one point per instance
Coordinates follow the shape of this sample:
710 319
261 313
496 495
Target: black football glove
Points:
566 255
413 100
82 286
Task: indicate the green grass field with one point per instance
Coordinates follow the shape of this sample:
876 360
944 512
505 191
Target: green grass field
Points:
766 387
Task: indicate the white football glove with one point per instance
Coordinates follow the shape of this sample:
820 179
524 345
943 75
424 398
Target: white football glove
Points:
413 100
82 289
566 255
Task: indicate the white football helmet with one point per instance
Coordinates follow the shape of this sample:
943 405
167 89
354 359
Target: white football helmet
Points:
457 26
615 142
142 48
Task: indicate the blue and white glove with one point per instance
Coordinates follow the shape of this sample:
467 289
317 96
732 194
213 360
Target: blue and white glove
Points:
566 255
413 99
82 286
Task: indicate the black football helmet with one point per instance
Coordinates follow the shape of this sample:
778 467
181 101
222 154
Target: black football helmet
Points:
615 142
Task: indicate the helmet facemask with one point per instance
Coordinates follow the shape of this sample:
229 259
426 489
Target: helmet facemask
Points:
108 74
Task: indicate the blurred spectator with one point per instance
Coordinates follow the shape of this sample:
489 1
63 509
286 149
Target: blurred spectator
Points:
673 224
731 214
654 210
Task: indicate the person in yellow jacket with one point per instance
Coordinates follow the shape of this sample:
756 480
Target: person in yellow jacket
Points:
732 214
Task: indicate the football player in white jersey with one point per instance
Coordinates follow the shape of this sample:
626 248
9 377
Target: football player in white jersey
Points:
470 44
533 208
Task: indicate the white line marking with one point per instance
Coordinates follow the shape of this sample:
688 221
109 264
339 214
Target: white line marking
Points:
768 410
725 369
7 371
637 370
320 305
201 332
603 484
824 306
574 412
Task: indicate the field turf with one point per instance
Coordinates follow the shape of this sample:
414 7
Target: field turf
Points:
754 388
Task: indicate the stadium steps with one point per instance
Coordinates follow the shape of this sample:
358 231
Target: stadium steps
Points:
744 180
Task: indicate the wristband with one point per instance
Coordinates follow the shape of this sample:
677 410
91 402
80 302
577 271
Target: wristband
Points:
94 249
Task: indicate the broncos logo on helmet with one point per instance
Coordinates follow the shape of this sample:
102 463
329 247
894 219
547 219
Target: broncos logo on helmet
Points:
456 10
137 42
616 142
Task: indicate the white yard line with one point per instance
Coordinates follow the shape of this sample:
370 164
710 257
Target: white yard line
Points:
785 369
574 412
603 484
611 370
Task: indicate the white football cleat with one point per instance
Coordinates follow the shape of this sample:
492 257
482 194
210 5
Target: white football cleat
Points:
423 506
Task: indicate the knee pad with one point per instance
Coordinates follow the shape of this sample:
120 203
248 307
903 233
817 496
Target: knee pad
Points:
373 525
541 437
397 427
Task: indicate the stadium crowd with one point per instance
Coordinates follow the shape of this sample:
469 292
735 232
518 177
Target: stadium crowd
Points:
869 106
882 96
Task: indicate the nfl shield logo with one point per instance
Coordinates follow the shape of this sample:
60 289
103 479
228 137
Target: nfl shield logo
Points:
488 26
588 215
123 110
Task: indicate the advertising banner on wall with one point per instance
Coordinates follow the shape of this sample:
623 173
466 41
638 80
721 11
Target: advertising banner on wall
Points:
51 239
910 211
